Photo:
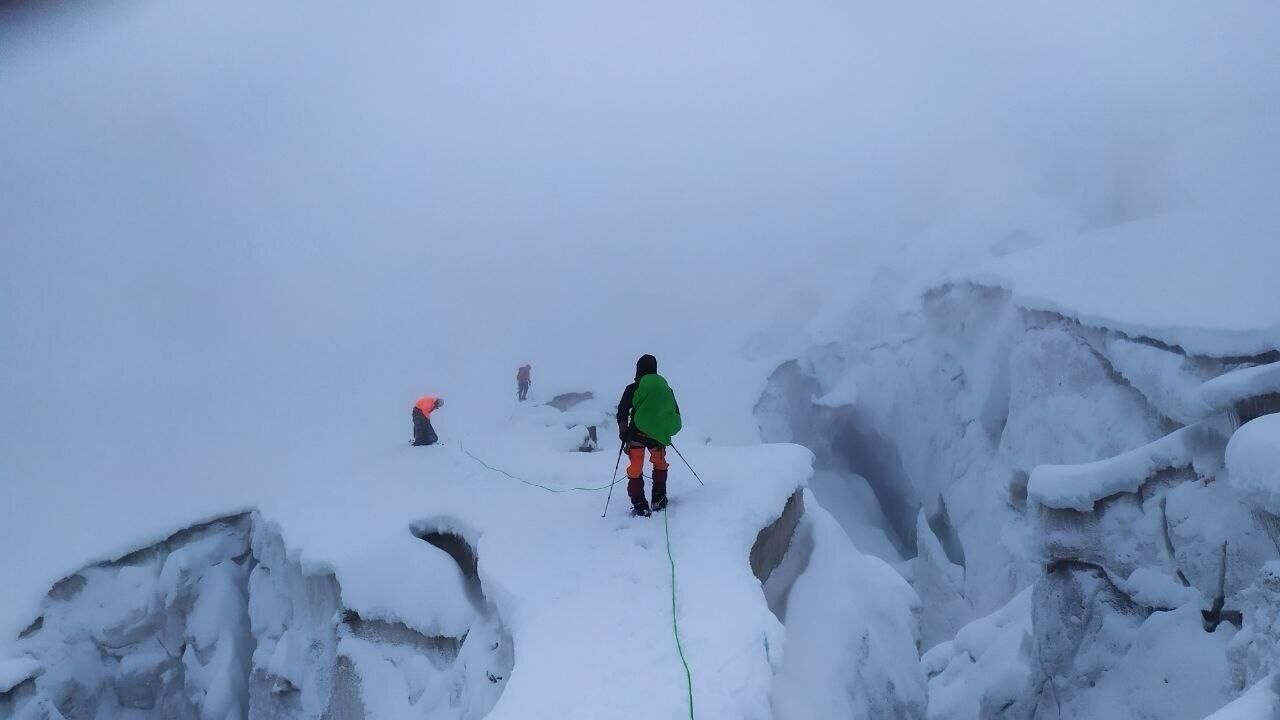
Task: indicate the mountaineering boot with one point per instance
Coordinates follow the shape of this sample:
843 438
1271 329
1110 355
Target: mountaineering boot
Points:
659 490
635 489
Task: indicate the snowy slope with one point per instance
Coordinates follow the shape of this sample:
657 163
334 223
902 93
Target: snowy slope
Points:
1199 279
586 600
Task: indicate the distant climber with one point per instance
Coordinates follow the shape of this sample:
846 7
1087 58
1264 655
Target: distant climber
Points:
523 381
423 433
648 416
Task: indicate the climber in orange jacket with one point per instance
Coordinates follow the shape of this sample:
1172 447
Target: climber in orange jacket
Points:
423 433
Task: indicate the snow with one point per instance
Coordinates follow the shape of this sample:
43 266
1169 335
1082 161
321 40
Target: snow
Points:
589 601
1253 460
579 601
216 658
202 334
584 605
1198 279
1153 588
1172 669
1253 652
1079 487
1231 387
16 670
1065 405
853 504
940 582
846 608
1220 539
431 599
1171 382
844 393
987 665
1259 702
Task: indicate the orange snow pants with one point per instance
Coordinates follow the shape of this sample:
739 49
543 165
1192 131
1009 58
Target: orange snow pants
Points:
635 473
657 456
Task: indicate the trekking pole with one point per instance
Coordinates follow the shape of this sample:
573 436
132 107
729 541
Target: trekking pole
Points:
613 480
686 464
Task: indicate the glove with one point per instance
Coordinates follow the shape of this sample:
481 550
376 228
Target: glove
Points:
622 434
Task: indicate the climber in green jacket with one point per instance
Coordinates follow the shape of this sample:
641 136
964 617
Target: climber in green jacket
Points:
648 416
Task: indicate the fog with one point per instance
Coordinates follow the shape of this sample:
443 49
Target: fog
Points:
236 235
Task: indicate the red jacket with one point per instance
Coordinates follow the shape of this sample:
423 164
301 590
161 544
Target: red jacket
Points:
522 375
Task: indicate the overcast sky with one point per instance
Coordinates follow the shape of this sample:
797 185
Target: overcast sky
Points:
231 227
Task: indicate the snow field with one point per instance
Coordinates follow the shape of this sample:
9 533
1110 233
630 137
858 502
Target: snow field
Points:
581 604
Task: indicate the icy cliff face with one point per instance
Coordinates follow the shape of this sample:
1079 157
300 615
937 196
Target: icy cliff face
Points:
922 456
218 622
1065 489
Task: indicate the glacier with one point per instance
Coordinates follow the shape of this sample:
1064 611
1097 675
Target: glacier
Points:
970 311
476 609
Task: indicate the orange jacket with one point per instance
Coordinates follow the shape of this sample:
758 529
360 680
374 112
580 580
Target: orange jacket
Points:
427 404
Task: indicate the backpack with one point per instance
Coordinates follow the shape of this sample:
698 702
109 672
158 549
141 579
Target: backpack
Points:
655 410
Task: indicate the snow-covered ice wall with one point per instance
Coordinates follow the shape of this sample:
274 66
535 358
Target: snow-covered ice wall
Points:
218 622
1063 486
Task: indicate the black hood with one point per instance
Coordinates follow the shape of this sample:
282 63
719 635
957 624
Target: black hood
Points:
646 365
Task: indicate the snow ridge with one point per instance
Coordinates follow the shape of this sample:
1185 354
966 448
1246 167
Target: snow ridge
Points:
1079 487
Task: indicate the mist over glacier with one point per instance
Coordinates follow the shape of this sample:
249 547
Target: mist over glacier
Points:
237 241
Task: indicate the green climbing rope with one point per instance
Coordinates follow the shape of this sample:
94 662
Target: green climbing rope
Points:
675 623
666 529
534 484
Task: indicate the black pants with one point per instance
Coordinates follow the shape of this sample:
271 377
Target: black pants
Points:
524 391
423 433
